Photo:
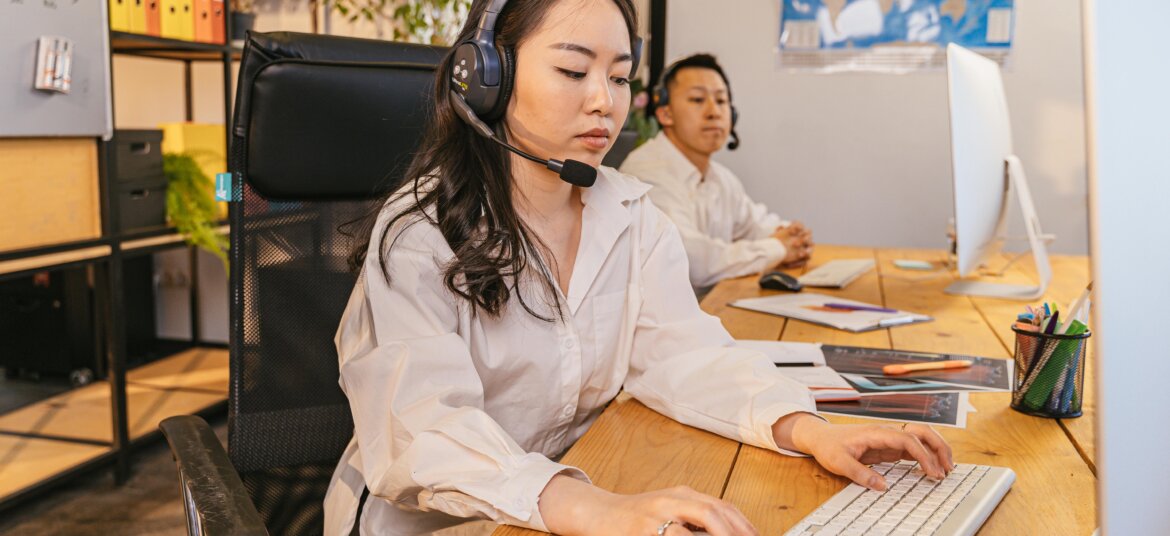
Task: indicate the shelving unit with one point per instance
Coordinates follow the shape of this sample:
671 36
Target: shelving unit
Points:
39 425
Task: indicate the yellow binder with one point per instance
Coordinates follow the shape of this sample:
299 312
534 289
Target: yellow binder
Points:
120 15
207 144
187 20
172 11
136 11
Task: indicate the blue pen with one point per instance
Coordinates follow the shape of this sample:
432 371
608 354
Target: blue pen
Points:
1069 388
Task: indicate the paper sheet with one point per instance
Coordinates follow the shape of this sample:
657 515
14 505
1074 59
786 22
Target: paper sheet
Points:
824 382
787 353
810 307
943 409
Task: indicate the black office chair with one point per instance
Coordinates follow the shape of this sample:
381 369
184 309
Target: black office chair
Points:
323 126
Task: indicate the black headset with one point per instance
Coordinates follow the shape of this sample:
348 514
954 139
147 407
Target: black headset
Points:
660 96
482 79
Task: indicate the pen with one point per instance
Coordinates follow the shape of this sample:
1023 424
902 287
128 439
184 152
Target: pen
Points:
848 307
896 321
1053 322
893 370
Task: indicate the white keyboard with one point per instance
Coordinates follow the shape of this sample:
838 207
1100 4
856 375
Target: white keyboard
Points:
836 273
913 503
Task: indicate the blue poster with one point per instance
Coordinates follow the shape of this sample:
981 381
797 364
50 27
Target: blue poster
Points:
825 25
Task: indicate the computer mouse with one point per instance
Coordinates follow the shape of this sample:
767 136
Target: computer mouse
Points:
780 281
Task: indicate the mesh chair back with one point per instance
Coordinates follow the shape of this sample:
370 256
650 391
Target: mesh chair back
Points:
323 126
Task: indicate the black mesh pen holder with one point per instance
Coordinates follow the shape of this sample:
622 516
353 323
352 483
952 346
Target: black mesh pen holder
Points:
1050 373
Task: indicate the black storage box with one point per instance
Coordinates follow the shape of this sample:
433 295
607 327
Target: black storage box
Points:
137 184
47 321
46 324
136 156
141 205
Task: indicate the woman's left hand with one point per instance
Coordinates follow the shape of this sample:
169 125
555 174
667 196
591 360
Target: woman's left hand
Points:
848 450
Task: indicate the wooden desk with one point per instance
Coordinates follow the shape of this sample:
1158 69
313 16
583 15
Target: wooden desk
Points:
633 449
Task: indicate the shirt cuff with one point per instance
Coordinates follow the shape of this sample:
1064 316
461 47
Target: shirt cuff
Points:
530 477
773 251
767 417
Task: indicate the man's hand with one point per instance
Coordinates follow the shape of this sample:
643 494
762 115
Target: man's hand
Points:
797 239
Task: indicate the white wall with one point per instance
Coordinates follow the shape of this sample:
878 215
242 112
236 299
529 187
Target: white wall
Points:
865 158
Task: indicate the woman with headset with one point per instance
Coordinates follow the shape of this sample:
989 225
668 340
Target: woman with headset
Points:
503 303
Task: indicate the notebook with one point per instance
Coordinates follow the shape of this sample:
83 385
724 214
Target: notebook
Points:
812 308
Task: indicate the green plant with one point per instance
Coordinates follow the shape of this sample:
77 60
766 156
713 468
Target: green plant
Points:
191 204
434 22
639 119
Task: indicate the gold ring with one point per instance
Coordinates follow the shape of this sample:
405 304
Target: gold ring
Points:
662 529
904 426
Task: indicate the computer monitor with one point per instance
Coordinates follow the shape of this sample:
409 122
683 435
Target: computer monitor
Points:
985 171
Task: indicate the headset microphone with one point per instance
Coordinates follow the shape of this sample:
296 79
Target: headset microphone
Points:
570 171
482 79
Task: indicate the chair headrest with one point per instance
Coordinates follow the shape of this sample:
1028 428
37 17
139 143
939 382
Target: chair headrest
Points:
324 117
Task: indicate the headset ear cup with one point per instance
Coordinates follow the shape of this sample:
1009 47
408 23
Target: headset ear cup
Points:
508 78
661 96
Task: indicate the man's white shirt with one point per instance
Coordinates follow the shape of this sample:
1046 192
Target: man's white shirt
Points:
724 232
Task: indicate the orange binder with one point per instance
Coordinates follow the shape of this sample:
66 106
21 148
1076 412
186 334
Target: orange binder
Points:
171 26
218 16
203 21
136 10
120 15
187 20
153 23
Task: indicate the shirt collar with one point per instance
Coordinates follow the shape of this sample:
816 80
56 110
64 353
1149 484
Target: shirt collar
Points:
605 218
675 160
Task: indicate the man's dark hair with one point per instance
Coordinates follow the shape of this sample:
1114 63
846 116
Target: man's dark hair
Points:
701 61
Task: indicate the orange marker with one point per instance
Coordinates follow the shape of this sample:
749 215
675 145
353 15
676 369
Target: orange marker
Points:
894 370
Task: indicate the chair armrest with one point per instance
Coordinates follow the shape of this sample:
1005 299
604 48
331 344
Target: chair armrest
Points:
213 494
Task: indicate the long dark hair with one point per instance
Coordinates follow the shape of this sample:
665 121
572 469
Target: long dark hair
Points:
472 190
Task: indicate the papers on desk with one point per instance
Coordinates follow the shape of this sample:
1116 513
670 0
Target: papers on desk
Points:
805 363
824 383
828 311
848 380
934 397
787 354
985 373
943 409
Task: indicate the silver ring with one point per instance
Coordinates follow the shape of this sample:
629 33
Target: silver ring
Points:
662 529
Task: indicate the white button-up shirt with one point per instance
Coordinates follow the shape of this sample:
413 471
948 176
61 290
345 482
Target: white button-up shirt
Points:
459 415
725 234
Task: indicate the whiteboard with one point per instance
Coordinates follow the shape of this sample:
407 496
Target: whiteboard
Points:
28 112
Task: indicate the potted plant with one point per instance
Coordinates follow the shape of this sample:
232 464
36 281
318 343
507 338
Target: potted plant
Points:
243 18
639 119
191 205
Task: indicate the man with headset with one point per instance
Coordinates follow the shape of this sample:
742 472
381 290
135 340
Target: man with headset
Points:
724 232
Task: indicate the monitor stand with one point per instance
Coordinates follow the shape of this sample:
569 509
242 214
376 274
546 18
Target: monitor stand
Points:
1019 182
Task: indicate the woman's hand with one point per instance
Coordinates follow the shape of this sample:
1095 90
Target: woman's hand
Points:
847 450
572 507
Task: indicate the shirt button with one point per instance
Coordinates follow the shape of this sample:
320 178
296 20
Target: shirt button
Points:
568 411
567 344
